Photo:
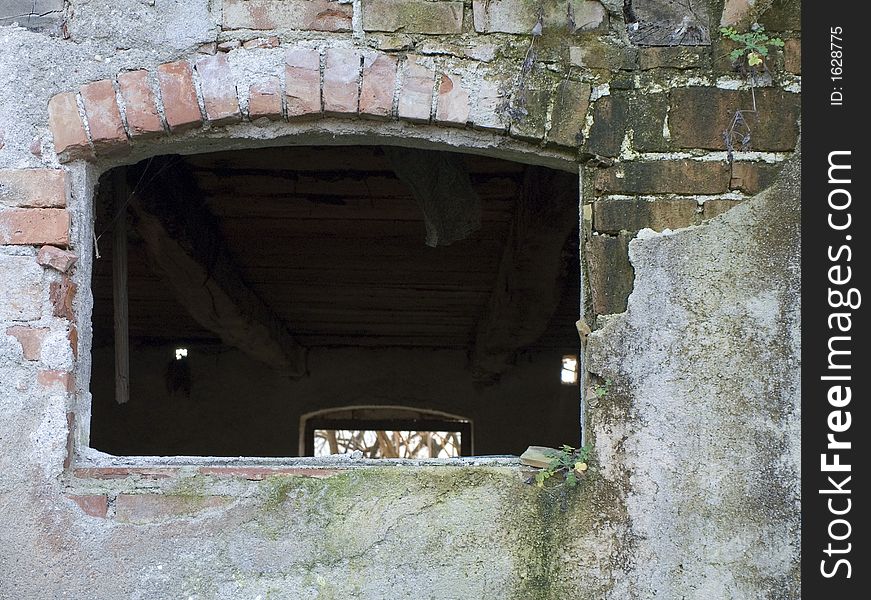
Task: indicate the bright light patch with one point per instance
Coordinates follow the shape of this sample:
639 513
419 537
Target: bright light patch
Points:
181 353
569 373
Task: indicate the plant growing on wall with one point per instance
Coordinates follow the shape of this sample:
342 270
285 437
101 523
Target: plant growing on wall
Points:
749 57
570 462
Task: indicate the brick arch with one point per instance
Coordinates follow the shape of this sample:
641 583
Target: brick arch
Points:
277 91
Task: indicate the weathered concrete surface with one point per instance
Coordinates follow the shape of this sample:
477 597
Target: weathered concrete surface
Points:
700 421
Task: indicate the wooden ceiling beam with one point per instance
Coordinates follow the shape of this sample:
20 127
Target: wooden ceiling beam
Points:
185 247
532 271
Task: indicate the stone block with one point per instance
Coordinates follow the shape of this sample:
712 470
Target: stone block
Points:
67 129
700 115
712 208
610 117
664 177
140 104
35 226
614 216
569 113
673 57
20 288
305 15
752 178
34 188
413 16
219 89
180 105
611 274
792 56
782 15
521 16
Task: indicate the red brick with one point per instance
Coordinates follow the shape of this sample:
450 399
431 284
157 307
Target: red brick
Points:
34 188
261 473
792 56
307 15
379 82
341 76
302 82
219 89
125 472
92 505
71 439
452 105
60 260
35 226
140 104
415 96
104 117
147 508
179 96
73 337
268 42
49 378
264 99
30 339
62 293
67 129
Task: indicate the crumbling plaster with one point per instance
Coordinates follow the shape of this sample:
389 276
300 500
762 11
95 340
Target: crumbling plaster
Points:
694 420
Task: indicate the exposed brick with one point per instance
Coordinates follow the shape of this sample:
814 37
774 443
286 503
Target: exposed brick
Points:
179 96
261 473
34 188
229 45
73 337
268 42
62 293
30 338
51 378
610 116
713 208
700 115
614 216
413 16
673 57
21 292
782 15
752 178
415 97
569 113
219 90
147 508
125 472
60 260
665 177
67 129
611 273
792 56
379 82
104 117
264 99
452 105
302 82
140 105
520 16
35 226
95 505
71 439
306 15
341 81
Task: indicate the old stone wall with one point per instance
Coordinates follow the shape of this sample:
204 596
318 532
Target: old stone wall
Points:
692 402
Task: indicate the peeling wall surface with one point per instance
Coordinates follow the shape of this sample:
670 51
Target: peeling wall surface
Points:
690 263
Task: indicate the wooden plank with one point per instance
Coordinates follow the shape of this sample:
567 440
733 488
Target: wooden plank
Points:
119 287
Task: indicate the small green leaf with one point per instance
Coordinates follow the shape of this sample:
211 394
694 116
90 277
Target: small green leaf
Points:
754 59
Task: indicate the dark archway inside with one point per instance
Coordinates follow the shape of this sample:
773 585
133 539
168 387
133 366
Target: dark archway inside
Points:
264 285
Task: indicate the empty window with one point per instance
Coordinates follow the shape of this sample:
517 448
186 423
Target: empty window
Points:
236 292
